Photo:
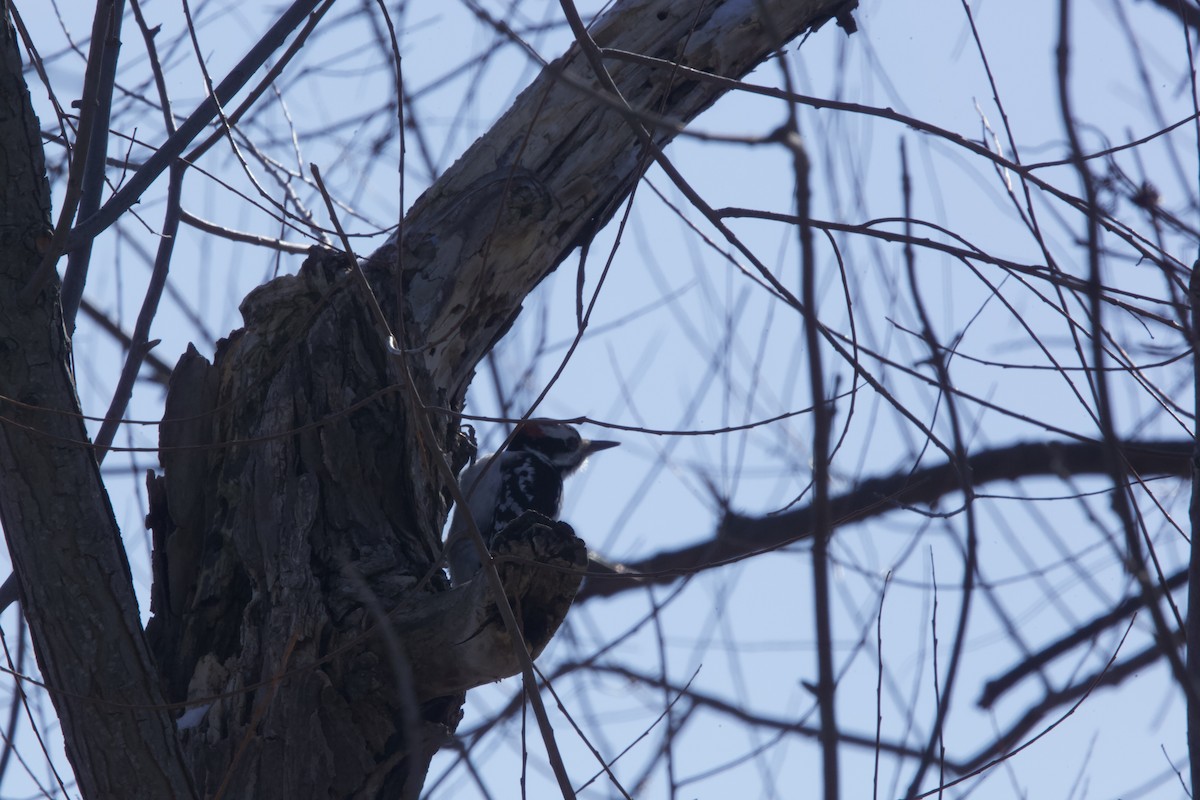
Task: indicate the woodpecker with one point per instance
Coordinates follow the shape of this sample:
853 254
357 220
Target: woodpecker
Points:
528 476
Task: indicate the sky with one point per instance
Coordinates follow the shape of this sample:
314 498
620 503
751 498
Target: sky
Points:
681 341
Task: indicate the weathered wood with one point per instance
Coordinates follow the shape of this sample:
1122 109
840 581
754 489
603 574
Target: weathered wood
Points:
556 166
317 636
291 517
297 525
293 573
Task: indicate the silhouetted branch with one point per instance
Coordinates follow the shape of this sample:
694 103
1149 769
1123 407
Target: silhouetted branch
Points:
742 536
768 723
1081 635
1186 10
1110 675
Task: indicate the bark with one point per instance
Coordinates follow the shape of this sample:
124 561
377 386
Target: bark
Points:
298 604
78 595
557 166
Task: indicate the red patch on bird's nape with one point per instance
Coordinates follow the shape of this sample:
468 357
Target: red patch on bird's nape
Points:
533 430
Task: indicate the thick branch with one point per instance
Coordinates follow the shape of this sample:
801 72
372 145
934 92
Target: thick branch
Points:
742 536
556 166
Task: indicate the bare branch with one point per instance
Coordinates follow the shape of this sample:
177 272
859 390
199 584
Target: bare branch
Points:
741 536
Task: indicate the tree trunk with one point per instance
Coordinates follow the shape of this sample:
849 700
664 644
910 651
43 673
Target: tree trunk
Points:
298 605
77 593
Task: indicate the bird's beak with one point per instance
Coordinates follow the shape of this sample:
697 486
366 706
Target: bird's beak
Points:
592 445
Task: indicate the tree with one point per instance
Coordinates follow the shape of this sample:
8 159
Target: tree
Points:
301 624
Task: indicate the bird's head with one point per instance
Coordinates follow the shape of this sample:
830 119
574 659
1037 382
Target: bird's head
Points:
557 442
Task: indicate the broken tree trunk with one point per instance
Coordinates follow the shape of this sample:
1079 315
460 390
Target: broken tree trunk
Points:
300 611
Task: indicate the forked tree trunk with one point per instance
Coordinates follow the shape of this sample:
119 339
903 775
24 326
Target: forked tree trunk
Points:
297 603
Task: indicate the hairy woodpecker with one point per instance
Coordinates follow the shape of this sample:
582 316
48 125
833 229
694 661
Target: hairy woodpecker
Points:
528 476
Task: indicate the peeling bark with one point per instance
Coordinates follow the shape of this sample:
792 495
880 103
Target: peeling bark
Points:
556 167
298 607
311 625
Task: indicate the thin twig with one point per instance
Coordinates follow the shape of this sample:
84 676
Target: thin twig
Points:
1193 602
879 685
88 112
1121 498
106 38
140 343
961 465
175 144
